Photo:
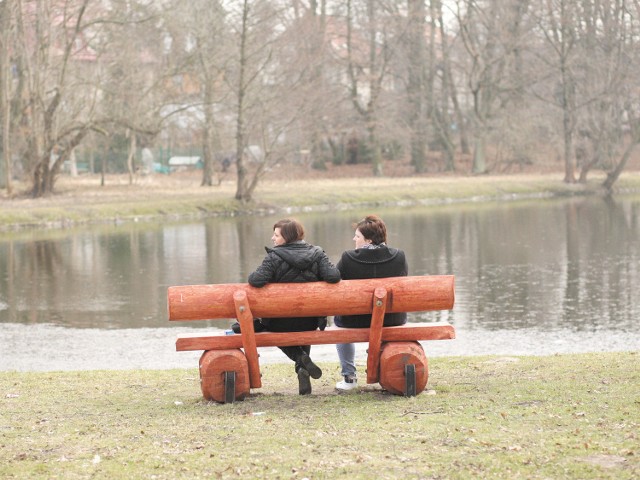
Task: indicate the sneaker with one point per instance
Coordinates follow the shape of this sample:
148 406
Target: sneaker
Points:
304 382
348 383
311 367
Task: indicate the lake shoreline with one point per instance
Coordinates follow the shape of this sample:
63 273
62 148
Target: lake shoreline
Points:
82 201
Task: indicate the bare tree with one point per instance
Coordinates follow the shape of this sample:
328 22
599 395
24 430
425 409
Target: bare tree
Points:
608 84
266 92
308 28
558 24
203 25
449 86
56 90
493 53
618 64
244 79
439 74
368 63
134 84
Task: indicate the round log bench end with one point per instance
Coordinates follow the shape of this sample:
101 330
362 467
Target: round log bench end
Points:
393 360
214 364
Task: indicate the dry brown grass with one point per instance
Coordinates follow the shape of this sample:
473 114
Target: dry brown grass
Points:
560 417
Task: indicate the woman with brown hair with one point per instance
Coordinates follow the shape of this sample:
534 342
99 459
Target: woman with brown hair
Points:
371 258
292 260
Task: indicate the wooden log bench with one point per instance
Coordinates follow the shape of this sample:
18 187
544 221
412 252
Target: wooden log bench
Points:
229 366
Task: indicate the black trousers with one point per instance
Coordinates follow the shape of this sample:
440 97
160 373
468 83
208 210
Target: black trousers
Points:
293 325
295 353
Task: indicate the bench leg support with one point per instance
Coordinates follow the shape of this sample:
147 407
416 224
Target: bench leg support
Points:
410 380
229 387
404 369
224 375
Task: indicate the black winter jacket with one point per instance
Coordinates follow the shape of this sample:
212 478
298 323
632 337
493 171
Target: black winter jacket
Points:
372 263
296 262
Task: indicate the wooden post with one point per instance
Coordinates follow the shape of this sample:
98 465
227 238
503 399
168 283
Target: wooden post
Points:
245 318
375 334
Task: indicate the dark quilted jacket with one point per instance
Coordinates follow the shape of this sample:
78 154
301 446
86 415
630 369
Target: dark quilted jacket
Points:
372 263
296 262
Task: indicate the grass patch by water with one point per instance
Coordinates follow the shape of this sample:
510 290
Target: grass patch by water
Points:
562 416
81 201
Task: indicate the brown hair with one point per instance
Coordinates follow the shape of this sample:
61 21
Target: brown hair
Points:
372 228
290 229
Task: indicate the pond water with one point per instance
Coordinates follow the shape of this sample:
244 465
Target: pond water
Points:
532 277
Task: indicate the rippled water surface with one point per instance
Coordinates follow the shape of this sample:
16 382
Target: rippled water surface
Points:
535 277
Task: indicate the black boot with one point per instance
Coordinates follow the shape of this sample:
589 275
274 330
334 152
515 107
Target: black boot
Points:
310 367
304 382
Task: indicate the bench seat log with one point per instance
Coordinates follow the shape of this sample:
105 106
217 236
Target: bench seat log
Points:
331 335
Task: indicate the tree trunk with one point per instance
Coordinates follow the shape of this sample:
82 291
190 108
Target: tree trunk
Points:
416 84
569 168
376 155
612 177
567 128
314 46
480 103
207 150
241 186
5 94
374 89
131 155
375 78
479 160
48 167
588 164
73 164
441 117
103 168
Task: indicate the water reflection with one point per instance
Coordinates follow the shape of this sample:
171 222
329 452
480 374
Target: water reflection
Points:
520 265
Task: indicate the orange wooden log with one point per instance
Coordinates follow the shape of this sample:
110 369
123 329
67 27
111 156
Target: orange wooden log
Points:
245 317
348 297
332 335
394 357
375 334
213 364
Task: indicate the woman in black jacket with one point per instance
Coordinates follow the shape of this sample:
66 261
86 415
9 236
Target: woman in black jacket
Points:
372 258
292 260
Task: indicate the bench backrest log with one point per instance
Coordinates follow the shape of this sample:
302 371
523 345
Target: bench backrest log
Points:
348 297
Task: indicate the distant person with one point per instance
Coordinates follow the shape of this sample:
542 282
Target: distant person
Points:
372 258
292 260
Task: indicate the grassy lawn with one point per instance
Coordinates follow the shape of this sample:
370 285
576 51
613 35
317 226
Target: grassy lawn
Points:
563 416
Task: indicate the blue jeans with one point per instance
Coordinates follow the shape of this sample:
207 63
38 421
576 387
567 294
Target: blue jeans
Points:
347 356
